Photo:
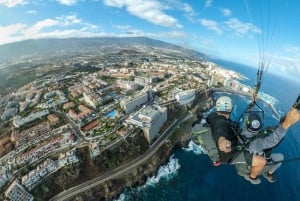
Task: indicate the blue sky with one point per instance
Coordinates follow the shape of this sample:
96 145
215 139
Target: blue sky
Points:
245 31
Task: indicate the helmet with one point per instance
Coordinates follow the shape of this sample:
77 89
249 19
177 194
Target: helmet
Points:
224 104
254 122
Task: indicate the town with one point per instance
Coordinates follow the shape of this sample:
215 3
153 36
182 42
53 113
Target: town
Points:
118 93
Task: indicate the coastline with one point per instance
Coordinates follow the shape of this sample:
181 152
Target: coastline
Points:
137 176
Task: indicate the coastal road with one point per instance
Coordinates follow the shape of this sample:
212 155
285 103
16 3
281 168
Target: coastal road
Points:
69 193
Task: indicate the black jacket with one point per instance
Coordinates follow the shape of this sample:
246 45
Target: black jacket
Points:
221 127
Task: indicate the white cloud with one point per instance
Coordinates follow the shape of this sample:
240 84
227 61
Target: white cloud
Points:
31 12
127 30
65 33
289 66
208 3
115 3
240 28
187 8
169 35
292 50
122 27
190 13
12 3
68 20
72 26
212 25
226 12
58 22
39 26
233 26
149 10
67 2
63 26
12 29
10 33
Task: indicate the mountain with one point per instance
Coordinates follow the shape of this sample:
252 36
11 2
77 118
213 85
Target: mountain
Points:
47 46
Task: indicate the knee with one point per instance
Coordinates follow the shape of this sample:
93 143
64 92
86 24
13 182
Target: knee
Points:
258 161
262 161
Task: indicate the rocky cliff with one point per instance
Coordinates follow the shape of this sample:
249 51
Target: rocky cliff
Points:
138 175
124 152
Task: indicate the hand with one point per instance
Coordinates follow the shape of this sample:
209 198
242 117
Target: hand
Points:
224 144
291 118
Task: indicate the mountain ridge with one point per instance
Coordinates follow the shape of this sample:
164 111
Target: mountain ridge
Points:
50 45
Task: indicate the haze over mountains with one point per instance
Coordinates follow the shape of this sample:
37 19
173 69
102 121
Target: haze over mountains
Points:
47 46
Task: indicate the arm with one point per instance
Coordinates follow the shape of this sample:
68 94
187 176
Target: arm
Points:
222 136
259 144
291 118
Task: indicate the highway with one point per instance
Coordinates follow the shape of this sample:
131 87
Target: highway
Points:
69 193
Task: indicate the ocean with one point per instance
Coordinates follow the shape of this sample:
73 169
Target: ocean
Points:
190 176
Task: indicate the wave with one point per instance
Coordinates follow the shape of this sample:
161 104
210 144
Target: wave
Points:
196 149
167 171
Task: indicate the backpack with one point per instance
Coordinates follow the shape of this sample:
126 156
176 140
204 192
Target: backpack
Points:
202 136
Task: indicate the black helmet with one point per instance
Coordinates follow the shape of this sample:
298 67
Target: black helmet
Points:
254 122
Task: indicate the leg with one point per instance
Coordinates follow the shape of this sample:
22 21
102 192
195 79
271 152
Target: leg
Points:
242 169
258 163
246 160
275 166
272 166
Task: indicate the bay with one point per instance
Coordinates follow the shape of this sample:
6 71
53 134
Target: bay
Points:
194 178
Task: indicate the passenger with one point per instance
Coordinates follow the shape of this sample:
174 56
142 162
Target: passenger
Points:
258 143
227 139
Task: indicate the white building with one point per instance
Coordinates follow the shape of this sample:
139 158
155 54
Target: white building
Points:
19 121
150 119
145 80
31 179
130 85
132 103
16 192
92 99
94 149
185 97
3 177
67 158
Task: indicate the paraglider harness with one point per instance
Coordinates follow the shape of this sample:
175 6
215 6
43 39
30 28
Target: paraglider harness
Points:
202 135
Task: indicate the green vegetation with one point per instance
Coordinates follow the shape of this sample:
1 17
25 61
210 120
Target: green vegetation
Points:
14 77
84 68
31 124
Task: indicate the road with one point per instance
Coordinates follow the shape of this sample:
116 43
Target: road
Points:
69 193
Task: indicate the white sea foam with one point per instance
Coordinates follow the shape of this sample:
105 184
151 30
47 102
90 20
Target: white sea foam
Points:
196 149
121 198
166 171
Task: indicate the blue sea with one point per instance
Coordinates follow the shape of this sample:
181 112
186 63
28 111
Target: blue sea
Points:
190 176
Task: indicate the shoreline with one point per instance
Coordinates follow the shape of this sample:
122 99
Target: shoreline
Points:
138 175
